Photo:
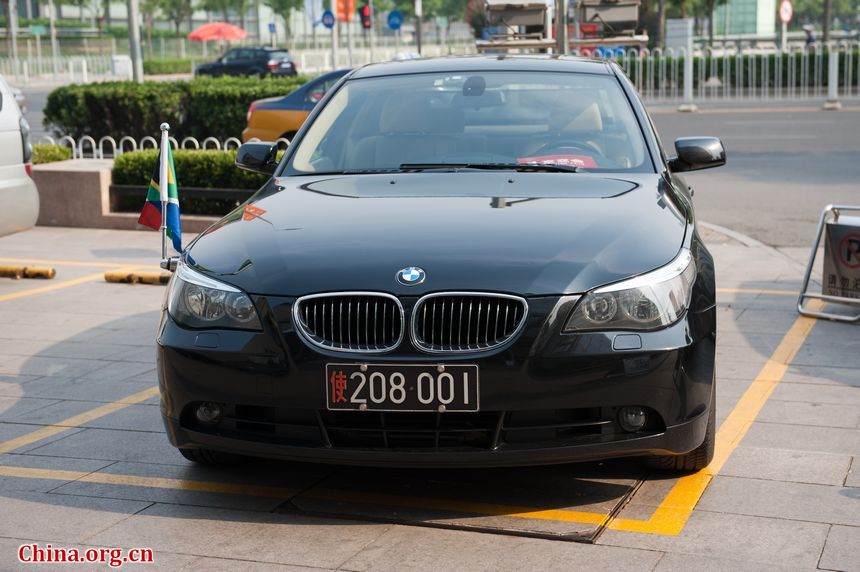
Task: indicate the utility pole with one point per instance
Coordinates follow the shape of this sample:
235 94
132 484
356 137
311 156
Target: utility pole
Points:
828 18
12 26
561 44
55 62
370 30
134 40
418 13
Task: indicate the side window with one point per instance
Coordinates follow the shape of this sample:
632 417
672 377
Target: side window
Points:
245 55
230 56
316 92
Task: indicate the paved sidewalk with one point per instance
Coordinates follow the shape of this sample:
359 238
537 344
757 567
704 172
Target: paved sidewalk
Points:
84 461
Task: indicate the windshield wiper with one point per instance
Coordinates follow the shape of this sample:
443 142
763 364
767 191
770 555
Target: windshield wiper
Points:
355 172
522 167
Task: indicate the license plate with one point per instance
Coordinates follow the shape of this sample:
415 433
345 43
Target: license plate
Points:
286 65
358 387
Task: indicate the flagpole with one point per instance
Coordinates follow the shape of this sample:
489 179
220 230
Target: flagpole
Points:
162 188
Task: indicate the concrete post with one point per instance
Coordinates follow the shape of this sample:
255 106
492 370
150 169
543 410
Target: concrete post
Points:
688 105
134 40
832 103
562 46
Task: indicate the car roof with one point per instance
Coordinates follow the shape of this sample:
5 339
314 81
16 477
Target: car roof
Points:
495 62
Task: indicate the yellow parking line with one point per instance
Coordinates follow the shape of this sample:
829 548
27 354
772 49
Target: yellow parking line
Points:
461 506
76 421
150 482
672 514
669 518
86 263
50 287
61 285
757 291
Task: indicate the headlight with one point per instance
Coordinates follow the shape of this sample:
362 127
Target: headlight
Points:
652 300
197 301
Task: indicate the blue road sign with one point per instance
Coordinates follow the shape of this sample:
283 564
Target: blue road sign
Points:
328 19
395 19
271 27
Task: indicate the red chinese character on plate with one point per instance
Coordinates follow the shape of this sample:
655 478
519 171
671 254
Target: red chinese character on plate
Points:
338 386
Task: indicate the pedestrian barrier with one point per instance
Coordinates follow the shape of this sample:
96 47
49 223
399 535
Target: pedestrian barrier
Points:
841 268
731 73
107 147
722 72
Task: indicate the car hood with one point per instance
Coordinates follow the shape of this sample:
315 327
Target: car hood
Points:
524 233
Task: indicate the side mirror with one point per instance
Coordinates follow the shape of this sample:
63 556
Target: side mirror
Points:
258 157
696 153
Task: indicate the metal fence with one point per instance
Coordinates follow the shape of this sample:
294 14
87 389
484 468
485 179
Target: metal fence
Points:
108 147
65 69
728 74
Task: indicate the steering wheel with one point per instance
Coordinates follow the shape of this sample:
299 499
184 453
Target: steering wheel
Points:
569 144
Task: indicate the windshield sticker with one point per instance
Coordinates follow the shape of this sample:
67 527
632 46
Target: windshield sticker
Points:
582 161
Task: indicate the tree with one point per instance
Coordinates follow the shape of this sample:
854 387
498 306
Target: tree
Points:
284 8
148 8
218 6
175 10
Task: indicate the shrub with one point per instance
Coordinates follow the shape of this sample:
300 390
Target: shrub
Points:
203 169
45 153
202 107
167 66
114 108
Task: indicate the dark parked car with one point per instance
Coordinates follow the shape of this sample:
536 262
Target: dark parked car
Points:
476 261
261 61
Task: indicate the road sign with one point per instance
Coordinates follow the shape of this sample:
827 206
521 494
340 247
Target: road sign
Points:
345 10
395 20
328 19
37 30
271 27
842 258
785 11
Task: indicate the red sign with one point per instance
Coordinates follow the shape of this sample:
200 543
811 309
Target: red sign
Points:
345 10
785 11
252 212
849 250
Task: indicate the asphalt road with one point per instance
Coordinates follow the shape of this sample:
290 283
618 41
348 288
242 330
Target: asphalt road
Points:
786 161
784 166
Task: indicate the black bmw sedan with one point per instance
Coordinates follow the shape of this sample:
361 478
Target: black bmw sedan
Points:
479 261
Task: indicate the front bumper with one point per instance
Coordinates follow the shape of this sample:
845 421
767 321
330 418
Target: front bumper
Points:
545 398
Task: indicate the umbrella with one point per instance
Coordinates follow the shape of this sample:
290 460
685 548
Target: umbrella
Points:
217 31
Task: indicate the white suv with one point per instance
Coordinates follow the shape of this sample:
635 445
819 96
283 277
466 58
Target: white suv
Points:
19 199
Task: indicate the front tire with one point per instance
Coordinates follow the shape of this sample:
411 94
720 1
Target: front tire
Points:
701 456
209 457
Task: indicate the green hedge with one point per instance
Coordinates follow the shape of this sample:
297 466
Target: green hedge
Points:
167 66
202 169
202 107
46 153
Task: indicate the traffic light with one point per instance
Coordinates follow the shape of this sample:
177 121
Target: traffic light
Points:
364 11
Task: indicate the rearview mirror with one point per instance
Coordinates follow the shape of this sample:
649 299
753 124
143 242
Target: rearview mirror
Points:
258 157
694 153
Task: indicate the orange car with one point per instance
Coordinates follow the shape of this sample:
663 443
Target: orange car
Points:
276 117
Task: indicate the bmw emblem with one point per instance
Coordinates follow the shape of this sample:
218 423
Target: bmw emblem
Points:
411 276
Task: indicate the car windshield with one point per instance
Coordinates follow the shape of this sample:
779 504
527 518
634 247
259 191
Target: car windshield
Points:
472 120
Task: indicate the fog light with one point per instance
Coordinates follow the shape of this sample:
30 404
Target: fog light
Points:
632 418
209 412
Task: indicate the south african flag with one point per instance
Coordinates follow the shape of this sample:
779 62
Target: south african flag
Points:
151 215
